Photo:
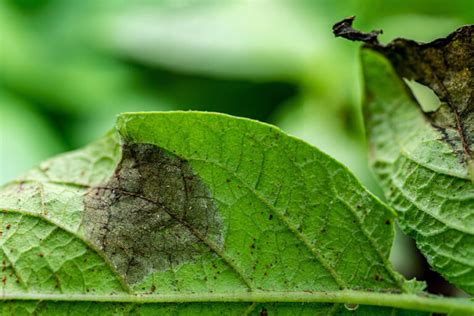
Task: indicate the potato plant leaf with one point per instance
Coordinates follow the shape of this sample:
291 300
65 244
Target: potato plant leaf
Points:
187 213
424 159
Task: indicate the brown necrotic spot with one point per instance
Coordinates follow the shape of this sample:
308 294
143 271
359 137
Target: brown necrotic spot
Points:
153 214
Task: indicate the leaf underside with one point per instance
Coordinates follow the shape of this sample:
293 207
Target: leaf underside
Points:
424 159
190 203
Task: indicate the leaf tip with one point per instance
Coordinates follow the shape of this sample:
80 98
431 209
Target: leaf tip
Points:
344 29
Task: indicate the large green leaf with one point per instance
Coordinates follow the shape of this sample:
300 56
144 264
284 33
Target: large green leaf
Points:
424 159
200 209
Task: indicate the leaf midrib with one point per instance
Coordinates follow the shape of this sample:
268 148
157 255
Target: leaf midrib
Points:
402 301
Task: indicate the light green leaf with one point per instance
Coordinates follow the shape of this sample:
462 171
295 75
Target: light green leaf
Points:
23 131
231 39
219 214
424 159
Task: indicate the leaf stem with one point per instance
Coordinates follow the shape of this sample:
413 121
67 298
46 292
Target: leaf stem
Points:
403 301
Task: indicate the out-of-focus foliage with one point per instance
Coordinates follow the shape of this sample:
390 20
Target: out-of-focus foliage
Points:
67 67
78 63
25 135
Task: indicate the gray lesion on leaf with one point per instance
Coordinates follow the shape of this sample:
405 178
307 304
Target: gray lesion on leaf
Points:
445 65
153 214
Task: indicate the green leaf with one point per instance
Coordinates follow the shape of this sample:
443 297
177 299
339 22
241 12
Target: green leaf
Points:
25 132
229 39
424 159
190 213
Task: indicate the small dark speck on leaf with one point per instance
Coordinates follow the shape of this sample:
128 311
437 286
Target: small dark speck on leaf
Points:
270 217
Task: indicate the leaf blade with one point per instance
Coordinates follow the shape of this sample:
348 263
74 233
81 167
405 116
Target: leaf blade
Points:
278 197
180 125
422 176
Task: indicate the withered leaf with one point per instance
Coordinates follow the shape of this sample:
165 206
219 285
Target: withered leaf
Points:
424 160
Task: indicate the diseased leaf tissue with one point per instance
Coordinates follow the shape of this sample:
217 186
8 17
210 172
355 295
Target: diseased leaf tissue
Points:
198 213
446 65
424 160
194 204
153 214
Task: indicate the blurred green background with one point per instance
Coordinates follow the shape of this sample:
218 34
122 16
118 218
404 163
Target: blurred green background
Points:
68 67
